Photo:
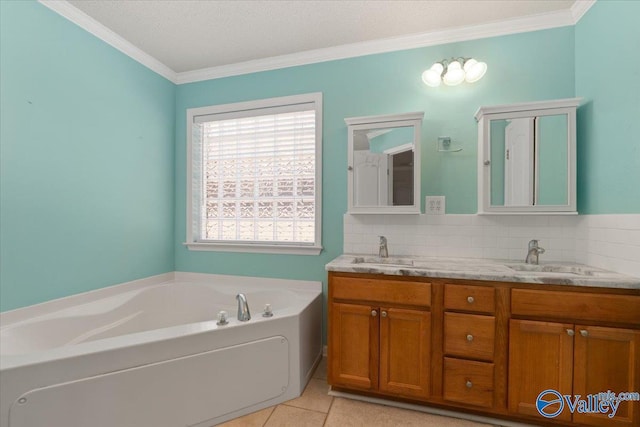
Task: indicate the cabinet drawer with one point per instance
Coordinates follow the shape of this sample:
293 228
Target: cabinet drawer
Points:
384 291
478 299
468 382
469 335
574 306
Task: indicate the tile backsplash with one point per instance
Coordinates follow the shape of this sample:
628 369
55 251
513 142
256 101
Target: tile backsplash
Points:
606 241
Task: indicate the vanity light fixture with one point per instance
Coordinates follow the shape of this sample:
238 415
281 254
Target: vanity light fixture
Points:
454 71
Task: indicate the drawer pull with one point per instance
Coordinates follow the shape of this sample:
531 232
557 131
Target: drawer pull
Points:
374 313
570 332
383 314
469 337
469 384
470 300
584 332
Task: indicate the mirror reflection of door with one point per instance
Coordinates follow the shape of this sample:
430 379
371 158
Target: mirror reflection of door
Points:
370 178
519 165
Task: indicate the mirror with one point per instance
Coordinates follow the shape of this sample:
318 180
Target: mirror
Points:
384 163
527 154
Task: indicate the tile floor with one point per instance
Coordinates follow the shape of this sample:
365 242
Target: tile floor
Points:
315 408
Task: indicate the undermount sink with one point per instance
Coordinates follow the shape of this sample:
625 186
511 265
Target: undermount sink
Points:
558 269
396 262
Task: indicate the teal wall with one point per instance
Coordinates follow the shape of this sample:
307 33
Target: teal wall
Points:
381 84
93 181
608 78
86 182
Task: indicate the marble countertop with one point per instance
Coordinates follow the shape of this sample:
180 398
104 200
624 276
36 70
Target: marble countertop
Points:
556 273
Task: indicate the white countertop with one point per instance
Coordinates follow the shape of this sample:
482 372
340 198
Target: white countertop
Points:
556 273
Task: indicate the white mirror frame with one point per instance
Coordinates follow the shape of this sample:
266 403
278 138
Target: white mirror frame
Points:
530 109
379 122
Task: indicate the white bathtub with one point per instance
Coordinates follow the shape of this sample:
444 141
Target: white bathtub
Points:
151 354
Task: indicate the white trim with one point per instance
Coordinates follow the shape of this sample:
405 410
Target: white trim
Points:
314 98
527 106
399 149
259 249
579 8
87 23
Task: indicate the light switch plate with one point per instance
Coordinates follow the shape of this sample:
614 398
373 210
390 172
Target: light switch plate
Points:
434 205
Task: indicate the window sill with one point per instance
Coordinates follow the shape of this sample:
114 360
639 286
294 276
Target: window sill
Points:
253 248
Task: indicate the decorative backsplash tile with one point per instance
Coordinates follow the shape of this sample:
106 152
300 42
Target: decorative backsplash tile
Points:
606 241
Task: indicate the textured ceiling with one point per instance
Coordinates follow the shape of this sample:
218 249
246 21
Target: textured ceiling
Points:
188 35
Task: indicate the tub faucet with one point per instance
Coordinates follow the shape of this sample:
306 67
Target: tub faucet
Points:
243 308
383 252
533 252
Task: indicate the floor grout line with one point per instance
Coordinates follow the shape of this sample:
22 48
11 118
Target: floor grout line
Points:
333 399
273 409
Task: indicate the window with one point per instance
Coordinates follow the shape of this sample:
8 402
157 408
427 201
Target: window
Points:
255 171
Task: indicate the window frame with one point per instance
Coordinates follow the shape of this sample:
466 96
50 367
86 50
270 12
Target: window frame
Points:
193 219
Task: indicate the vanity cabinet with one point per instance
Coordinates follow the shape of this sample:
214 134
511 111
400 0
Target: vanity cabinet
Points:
573 357
380 336
483 347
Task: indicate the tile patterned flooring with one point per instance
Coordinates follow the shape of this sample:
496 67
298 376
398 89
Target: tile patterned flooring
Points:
315 408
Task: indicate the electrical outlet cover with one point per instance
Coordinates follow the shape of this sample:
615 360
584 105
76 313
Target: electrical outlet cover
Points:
434 205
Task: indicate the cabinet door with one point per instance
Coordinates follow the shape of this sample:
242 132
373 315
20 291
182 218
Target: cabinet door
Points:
540 358
405 347
353 346
607 359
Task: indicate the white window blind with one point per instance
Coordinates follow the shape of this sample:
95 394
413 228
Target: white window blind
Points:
255 176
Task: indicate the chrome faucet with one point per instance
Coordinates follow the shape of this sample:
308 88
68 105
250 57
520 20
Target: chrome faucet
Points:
533 252
383 252
243 308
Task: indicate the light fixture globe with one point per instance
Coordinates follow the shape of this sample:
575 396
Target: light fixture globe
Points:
454 75
431 78
474 70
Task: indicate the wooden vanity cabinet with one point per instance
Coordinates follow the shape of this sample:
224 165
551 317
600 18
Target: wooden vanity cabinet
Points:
380 336
572 357
488 348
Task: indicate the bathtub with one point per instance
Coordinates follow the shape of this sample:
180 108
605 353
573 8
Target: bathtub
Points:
150 353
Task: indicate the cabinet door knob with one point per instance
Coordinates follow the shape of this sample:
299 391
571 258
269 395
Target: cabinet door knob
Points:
383 314
570 332
374 313
469 337
350 168
470 300
584 332
469 384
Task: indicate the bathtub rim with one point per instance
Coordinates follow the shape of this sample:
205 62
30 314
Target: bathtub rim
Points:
8 362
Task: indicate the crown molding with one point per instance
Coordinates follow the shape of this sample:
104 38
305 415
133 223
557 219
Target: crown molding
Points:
538 22
579 8
87 23
499 28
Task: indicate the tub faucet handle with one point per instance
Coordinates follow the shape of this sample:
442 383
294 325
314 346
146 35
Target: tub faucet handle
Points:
222 318
268 312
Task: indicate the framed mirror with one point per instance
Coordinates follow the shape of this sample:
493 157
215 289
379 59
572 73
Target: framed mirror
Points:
527 158
384 164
